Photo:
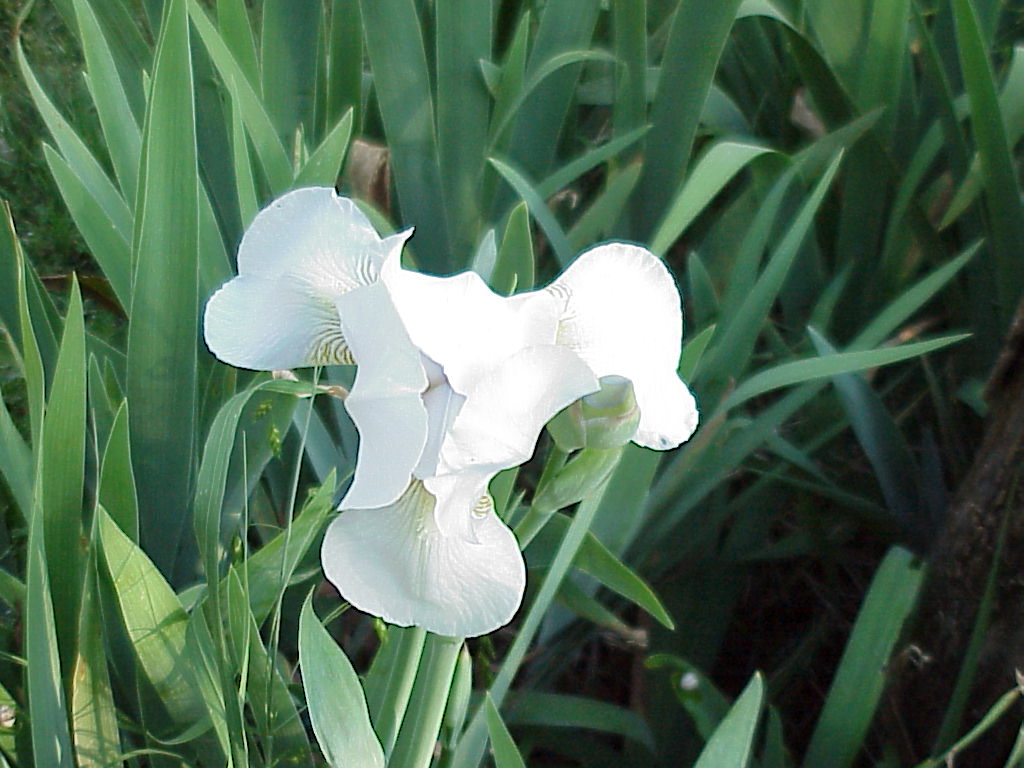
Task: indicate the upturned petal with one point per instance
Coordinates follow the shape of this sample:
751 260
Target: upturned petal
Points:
463 325
620 312
298 255
386 402
507 406
397 563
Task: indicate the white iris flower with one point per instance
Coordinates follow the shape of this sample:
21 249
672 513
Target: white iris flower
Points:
454 384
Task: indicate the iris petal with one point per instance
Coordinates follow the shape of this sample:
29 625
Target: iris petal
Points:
508 405
463 325
273 323
386 400
397 563
298 255
621 313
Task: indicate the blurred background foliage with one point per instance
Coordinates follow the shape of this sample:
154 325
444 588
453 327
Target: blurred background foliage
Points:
835 185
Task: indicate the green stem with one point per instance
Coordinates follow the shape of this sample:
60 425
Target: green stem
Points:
471 746
390 680
418 734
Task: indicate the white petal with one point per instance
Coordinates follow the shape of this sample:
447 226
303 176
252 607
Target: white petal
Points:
463 325
621 314
509 404
668 412
386 401
398 564
271 324
315 235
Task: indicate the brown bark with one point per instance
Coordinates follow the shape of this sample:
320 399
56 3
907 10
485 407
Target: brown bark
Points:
988 504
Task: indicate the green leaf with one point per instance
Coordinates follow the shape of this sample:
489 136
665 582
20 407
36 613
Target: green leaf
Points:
798 371
78 156
154 621
269 149
270 569
563 26
463 34
15 461
334 698
739 330
1002 192
236 30
695 42
401 77
344 86
732 743
116 492
121 134
857 687
514 270
109 247
51 740
709 176
63 478
886 448
324 166
599 219
529 195
595 559
288 50
562 711
506 753
93 714
164 319
270 701
389 682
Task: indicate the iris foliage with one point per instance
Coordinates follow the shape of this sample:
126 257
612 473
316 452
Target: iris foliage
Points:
833 184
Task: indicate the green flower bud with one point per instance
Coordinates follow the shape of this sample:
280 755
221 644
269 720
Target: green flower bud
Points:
604 419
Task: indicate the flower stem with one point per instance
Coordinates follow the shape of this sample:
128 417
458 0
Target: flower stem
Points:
471 745
389 682
418 734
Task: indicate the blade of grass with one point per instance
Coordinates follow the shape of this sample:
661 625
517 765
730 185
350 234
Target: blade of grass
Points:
732 743
116 491
799 371
859 680
1002 192
324 166
506 753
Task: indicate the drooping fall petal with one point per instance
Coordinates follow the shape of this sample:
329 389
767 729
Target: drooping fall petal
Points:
621 313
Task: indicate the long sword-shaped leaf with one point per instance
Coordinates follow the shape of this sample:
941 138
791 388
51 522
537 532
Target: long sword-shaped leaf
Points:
63 478
51 739
697 37
401 78
163 328
288 50
1002 192
463 40
337 706
857 687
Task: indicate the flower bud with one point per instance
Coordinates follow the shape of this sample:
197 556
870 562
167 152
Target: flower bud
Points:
603 419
